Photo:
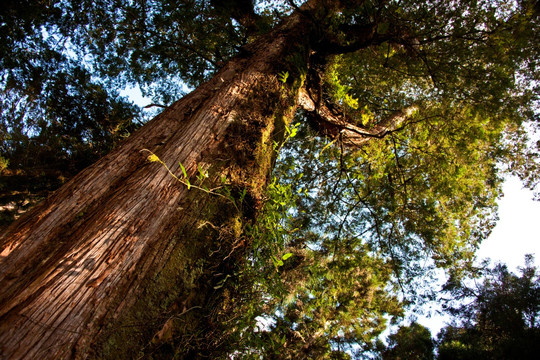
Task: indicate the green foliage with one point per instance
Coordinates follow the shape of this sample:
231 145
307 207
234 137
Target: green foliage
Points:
425 195
3 164
420 198
339 91
55 117
316 302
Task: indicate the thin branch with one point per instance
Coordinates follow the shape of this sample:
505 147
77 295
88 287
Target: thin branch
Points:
378 232
299 10
155 105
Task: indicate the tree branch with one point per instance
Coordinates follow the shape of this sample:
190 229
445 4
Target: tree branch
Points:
357 37
334 124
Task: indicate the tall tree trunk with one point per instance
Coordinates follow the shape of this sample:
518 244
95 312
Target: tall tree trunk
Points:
111 254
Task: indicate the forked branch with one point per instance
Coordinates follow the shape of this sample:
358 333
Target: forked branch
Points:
334 124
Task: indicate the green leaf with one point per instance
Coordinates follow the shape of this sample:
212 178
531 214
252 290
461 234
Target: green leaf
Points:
327 146
183 170
293 131
185 175
243 195
203 174
286 256
283 76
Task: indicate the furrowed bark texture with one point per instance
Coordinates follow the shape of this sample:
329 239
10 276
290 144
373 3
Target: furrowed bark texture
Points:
124 237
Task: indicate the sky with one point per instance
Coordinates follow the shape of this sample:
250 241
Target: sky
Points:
517 232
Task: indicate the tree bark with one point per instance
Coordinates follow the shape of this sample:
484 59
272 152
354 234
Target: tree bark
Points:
105 261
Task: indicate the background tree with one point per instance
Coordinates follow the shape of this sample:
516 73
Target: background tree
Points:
501 321
55 118
495 317
398 169
410 342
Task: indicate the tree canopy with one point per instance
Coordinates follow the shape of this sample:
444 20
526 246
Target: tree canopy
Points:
411 114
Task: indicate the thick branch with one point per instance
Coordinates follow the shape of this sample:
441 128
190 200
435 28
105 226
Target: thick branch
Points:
357 37
240 10
332 124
